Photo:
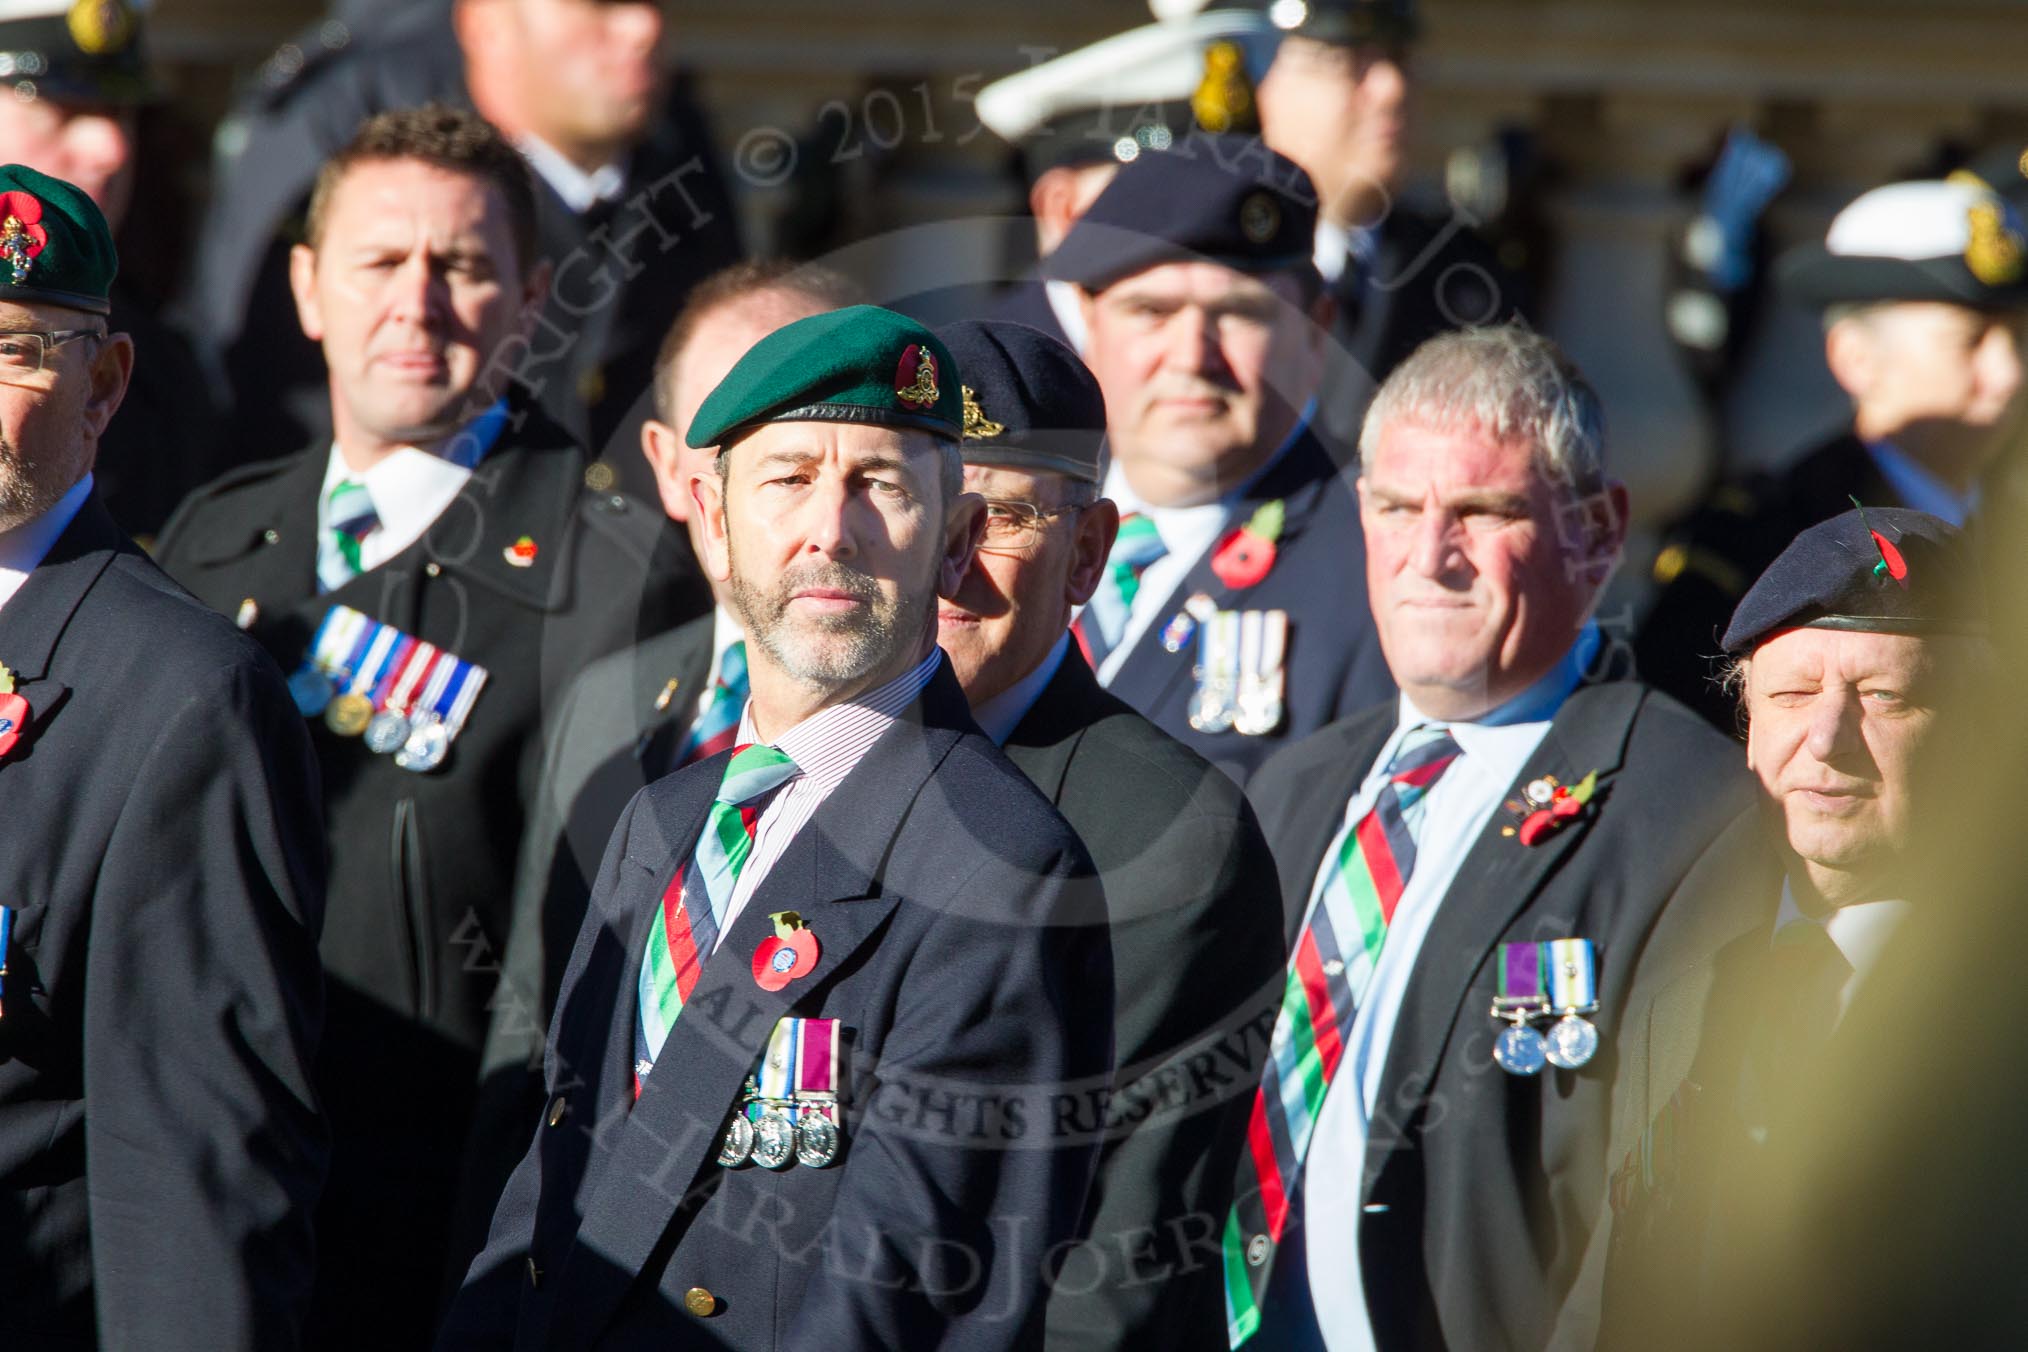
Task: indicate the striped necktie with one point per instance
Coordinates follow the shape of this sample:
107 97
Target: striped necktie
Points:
693 906
1104 620
718 724
349 518
1370 863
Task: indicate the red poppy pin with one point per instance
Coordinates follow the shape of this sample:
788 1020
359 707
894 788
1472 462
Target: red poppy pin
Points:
790 952
13 713
521 554
21 234
1247 554
1891 564
1548 806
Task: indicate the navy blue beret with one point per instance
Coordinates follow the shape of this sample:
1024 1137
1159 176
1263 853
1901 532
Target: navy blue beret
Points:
1030 402
1216 199
1918 577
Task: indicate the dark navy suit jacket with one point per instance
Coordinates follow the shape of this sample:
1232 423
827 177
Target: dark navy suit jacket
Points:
969 967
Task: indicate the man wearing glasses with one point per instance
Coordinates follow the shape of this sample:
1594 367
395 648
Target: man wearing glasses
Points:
1187 877
161 878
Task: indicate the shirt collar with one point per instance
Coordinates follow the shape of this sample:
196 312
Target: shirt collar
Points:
414 476
1062 298
1918 486
580 191
1000 715
1130 503
1537 704
1862 931
1338 247
24 547
829 743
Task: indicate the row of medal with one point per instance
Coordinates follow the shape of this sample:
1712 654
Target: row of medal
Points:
404 697
1539 982
1241 665
788 1113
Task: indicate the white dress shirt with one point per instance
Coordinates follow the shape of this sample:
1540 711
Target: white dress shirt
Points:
411 487
1000 715
826 747
580 191
1493 751
1862 931
24 547
1069 312
1187 533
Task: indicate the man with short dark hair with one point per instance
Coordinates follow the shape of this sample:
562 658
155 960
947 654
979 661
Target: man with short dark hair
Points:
1469 873
630 197
1187 875
838 975
431 577
1222 614
161 879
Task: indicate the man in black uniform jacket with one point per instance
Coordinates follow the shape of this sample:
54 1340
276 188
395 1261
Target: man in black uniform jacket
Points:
1924 292
458 520
1190 888
862 875
630 202
161 880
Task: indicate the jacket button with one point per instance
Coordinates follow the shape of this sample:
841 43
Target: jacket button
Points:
271 537
534 1272
558 1111
700 1302
1257 1250
433 568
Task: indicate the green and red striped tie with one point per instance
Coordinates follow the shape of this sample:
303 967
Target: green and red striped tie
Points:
1333 964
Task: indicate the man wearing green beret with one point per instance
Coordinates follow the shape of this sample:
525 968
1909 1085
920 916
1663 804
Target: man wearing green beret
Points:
161 878
817 1058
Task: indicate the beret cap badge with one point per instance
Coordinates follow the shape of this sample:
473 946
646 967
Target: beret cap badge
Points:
915 378
100 26
21 234
978 427
1259 218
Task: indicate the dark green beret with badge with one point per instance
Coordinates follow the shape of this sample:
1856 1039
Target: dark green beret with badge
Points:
861 364
55 246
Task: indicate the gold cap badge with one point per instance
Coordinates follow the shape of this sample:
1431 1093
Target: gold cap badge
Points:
1995 251
100 26
1224 99
921 391
1259 218
977 426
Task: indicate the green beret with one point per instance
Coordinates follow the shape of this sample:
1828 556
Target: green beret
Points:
55 247
861 364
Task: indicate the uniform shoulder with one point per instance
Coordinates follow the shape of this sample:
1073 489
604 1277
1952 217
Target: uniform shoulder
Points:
998 807
185 642
244 479
621 523
614 673
1157 770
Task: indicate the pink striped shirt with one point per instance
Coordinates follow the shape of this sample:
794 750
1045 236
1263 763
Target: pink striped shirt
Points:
825 747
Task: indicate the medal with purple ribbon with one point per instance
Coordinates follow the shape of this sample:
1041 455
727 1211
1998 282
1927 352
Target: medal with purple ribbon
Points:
1519 1049
816 1102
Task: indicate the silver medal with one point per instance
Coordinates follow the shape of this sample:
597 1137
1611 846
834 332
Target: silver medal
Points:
387 733
1519 1051
1572 1042
774 1140
737 1147
1211 708
816 1140
427 745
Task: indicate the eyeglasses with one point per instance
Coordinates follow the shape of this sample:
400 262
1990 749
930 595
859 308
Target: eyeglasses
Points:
25 352
1012 527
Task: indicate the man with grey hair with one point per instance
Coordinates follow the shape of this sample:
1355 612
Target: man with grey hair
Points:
1433 1057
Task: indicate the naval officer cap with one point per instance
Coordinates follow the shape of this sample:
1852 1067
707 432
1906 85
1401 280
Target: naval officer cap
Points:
1133 93
1213 199
1348 23
74 51
1953 240
861 364
55 246
1030 402
1884 570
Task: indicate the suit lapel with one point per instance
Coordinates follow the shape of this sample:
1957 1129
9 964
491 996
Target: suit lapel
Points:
34 620
686 660
1298 480
830 874
1500 878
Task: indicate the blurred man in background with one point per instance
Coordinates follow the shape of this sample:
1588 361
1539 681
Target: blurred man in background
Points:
431 575
1222 615
1924 293
1338 100
75 112
630 203
1186 872
1858 659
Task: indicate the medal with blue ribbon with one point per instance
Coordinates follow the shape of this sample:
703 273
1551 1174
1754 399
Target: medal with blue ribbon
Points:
6 952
